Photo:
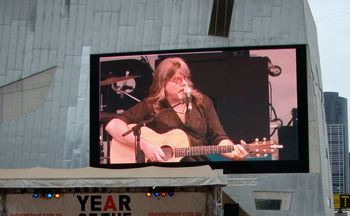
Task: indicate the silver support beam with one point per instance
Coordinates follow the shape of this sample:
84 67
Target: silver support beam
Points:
218 209
2 204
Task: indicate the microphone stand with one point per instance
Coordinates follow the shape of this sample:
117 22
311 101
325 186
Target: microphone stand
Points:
136 130
139 155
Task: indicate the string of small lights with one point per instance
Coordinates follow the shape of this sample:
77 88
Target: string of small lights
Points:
160 192
46 195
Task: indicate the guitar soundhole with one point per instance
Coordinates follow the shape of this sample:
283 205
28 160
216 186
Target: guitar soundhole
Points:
168 151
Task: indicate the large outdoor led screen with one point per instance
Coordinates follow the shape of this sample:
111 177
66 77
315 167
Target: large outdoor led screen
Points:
258 93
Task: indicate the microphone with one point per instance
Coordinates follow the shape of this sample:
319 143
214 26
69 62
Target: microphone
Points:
187 91
124 84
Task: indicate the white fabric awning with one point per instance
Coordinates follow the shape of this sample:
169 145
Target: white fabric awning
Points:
39 177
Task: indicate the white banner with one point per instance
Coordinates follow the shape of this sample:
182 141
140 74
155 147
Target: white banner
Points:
107 204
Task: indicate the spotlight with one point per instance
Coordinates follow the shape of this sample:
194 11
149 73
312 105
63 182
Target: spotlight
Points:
163 194
57 195
48 195
156 194
148 194
36 195
42 195
171 192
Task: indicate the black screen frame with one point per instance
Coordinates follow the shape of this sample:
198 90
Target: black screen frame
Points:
300 165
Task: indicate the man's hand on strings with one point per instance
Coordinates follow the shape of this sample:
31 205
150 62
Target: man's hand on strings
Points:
152 152
239 152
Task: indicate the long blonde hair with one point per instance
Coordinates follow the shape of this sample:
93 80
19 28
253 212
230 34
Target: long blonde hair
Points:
163 73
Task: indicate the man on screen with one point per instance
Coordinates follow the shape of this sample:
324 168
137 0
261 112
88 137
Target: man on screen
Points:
181 123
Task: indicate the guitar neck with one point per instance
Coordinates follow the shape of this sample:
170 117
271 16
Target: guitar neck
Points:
202 150
256 148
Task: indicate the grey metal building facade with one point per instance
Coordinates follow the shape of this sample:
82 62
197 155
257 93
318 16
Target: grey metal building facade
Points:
44 79
337 128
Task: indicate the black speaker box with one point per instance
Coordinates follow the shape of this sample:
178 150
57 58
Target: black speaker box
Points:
288 137
238 86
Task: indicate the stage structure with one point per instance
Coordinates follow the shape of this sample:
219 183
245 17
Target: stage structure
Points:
138 191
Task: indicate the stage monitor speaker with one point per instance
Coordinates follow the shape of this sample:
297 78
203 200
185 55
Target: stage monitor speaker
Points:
288 137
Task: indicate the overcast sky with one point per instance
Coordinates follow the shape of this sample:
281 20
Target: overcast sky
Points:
332 20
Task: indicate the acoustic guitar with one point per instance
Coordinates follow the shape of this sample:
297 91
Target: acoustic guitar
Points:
175 145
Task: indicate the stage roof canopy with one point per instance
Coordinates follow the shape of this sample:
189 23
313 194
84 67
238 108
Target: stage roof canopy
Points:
39 177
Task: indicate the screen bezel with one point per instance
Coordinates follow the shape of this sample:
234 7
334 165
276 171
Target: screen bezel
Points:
300 165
